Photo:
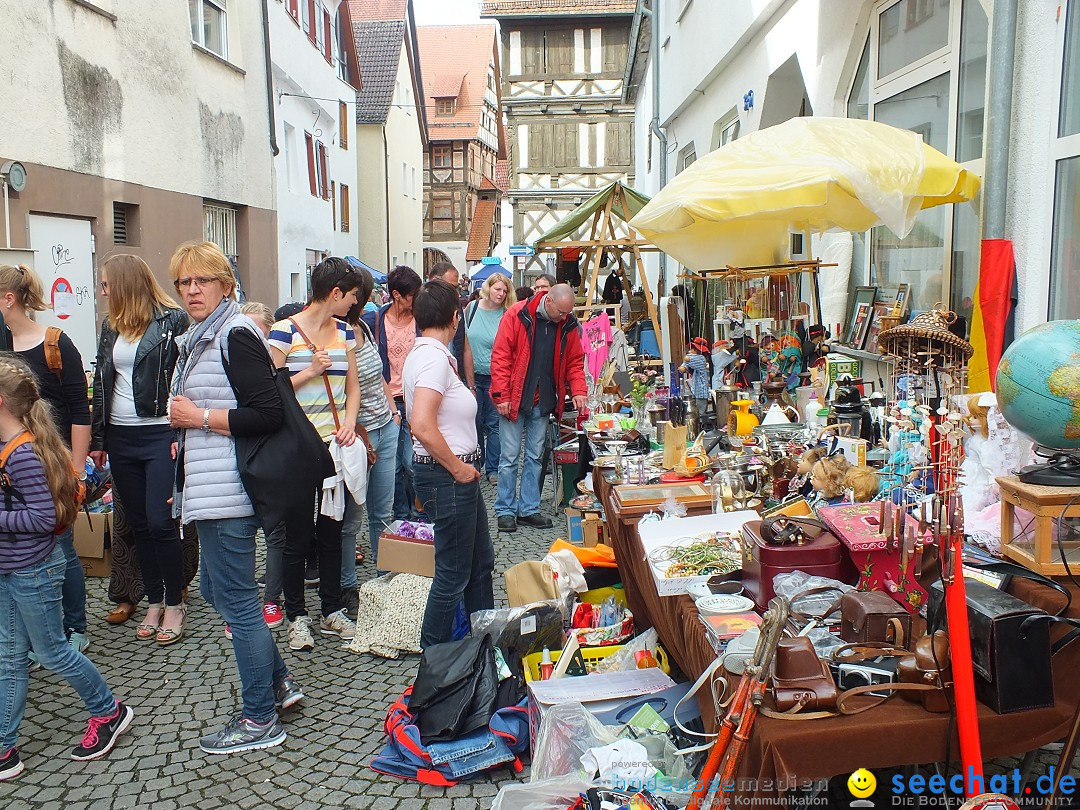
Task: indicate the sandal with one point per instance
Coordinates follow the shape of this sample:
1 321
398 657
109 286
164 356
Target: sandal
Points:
148 630
169 635
121 613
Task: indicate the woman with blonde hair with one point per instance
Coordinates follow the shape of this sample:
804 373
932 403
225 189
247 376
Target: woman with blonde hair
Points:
58 367
224 389
136 355
482 318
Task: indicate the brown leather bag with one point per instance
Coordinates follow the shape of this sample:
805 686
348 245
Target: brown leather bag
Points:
801 680
922 668
873 616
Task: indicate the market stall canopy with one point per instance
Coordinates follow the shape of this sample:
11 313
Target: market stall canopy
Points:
807 174
568 225
479 273
380 277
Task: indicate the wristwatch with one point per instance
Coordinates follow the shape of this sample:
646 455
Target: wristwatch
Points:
206 420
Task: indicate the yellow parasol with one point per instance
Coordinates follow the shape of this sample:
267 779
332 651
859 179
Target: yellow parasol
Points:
808 174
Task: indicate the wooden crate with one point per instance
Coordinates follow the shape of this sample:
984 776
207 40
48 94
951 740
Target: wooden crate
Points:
1036 546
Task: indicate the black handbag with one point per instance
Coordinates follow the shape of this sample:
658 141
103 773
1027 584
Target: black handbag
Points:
455 689
282 470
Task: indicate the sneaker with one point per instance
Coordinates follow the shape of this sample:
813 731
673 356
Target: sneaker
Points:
537 521
102 733
287 692
79 642
241 734
10 765
300 637
338 624
493 479
228 632
507 523
273 615
34 662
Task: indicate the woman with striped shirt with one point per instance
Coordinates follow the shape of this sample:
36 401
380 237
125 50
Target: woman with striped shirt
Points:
319 351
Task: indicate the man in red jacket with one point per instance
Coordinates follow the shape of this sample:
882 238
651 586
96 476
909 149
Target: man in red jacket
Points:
536 358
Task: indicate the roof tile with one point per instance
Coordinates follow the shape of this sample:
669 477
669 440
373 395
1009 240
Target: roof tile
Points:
480 235
460 53
540 8
378 46
368 10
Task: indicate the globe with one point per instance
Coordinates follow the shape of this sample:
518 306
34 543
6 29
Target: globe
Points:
1038 384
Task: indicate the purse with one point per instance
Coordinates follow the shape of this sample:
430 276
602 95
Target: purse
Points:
929 665
281 470
783 530
801 680
872 616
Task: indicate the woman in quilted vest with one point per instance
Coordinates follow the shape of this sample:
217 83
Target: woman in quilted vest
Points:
211 404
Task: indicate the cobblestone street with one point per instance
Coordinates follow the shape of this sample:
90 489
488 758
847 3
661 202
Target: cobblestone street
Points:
181 692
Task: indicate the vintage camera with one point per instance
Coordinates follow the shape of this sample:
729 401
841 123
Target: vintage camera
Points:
881 669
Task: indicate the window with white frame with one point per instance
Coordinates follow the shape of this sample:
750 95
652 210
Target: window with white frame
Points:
726 129
1065 149
208 26
687 155
923 68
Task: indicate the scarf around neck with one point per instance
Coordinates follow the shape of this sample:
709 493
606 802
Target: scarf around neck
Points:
201 333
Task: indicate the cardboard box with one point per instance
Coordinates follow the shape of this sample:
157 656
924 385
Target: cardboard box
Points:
405 555
837 365
682 531
93 542
854 450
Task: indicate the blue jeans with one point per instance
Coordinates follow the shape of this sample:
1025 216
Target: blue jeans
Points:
534 426
404 490
74 585
380 502
227 582
31 614
464 555
487 424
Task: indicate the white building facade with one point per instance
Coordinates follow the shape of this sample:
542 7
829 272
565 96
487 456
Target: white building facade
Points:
731 68
315 83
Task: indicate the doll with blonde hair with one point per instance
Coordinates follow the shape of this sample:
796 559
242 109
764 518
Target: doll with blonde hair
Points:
863 483
829 478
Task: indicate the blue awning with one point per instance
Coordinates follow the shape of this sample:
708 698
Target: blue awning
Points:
380 278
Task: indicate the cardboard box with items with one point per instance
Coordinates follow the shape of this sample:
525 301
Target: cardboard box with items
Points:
408 548
93 542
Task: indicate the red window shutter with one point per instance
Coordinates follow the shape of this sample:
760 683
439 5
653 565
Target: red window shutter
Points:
323 172
311 164
294 9
327 50
313 31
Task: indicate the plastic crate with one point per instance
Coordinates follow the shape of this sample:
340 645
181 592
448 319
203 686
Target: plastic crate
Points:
597 595
592 655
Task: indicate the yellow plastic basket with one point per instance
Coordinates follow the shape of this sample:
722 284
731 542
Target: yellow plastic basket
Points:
597 595
592 656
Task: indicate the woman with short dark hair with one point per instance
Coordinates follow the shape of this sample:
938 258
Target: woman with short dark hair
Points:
442 412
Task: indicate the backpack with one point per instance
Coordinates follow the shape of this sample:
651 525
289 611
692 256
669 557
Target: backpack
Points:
10 493
444 764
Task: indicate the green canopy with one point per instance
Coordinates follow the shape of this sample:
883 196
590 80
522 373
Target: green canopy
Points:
569 224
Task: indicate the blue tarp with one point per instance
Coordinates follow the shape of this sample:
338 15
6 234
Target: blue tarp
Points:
380 278
482 271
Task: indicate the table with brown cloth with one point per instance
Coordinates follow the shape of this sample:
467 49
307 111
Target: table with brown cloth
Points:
896 733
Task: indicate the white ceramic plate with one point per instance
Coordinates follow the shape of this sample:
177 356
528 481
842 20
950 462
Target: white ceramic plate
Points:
699 590
719 604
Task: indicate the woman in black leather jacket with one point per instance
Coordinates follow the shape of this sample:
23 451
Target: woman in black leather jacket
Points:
135 359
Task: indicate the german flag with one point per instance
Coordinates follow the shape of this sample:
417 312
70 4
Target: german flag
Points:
995 300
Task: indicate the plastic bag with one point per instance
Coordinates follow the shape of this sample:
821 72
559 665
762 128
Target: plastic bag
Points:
790 586
550 794
522 630
626 658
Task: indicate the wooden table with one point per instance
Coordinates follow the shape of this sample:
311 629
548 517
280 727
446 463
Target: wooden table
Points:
897 733
1048 505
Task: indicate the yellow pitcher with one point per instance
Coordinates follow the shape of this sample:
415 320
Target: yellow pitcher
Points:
740 421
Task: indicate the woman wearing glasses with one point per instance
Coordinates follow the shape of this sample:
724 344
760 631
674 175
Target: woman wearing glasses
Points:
135 359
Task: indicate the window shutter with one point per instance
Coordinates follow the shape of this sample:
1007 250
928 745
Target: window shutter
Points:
343 125
312 183
345 208
560 51
313 23
614 47
333 205
322 171
294 9
326 34
532 52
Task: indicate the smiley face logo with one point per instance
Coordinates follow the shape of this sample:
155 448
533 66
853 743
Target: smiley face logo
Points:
862 783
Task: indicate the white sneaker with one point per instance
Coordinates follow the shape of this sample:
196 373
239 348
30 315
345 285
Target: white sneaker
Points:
338 624
79 641
300 637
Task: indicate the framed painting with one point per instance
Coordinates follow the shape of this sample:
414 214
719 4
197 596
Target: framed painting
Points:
864 297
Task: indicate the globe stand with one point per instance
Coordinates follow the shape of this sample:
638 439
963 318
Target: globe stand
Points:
1062 470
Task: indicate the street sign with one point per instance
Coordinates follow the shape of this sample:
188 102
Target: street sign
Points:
522 250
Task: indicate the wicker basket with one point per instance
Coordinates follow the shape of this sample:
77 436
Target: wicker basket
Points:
931 326
604 636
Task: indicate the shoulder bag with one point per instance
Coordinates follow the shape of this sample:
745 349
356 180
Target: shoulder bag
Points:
283 468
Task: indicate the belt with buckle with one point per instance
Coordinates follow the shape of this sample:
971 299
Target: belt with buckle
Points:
468 458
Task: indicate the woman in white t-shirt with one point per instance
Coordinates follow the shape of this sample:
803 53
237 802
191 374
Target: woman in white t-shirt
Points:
442 412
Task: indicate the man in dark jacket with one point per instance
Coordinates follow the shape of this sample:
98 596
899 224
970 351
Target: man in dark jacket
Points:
536 360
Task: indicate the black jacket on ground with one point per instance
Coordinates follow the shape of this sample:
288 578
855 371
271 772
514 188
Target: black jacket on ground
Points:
155 359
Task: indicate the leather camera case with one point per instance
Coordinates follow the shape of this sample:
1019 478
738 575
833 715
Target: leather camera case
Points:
801 679
922 668
873 616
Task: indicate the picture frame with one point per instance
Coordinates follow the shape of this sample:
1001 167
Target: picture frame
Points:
863 295
881 310
860 327
900 305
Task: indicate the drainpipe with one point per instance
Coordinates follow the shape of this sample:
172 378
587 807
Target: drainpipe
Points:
654 124
269 79
386 189
998 124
